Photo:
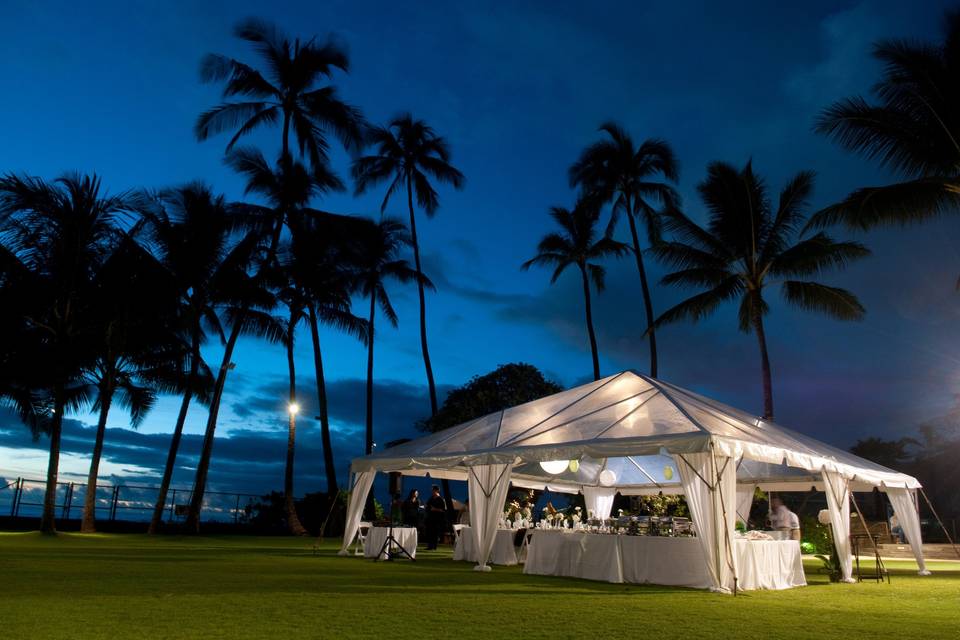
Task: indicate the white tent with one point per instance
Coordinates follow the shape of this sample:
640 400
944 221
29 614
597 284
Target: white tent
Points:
636 435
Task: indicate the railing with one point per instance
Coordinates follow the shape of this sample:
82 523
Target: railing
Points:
23 497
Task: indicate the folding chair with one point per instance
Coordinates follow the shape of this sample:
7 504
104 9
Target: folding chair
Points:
361 539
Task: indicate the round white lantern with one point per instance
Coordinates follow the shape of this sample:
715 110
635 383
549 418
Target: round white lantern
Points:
607 478
554 467
574 466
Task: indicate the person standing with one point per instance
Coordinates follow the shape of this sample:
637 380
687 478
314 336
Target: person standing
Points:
436 518
411 509
782 519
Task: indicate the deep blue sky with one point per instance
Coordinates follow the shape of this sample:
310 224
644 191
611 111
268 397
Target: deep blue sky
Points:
113 88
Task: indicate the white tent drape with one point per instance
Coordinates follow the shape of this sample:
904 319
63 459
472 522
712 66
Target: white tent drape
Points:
904 503
745 501
599 500
487 485
362 481
710 486
838 503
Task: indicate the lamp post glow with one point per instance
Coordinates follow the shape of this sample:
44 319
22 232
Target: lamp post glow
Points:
293 408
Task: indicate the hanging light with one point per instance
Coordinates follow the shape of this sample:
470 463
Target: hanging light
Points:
607 478
554 467
293 408
574 466
668 472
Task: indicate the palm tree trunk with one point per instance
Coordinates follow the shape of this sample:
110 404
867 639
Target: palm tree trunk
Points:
589 310
369 433
285 148
89 522
328 463
158 508
765 365
203 465
47 520
645 288
423 305
293 521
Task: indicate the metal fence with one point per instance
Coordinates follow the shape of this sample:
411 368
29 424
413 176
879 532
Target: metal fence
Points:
23 497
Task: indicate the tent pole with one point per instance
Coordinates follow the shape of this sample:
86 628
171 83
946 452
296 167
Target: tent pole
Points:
940 522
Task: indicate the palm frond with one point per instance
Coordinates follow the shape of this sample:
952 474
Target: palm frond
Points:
834 302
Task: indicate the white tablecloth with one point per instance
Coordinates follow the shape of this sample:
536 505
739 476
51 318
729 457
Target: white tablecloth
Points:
769 564
660 560
503 553
406 536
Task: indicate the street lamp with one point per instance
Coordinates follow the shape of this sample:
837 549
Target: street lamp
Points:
293 408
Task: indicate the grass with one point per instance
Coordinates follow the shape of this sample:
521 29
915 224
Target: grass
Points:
132 586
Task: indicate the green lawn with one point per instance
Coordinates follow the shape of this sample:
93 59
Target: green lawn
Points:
131 586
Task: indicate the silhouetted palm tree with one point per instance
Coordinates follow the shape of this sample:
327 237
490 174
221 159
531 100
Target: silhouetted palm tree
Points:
189 231
139 352
616 170
290 91
378 249
408 154
749 244
577 245
320 267
61 233
912 129
288 187
296 302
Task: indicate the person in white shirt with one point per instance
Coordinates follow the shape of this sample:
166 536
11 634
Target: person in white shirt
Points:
782 519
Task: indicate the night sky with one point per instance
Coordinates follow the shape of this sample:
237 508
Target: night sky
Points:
114 89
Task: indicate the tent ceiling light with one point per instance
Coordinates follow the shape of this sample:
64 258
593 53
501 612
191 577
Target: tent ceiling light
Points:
668 472
574 466
607 478
554 467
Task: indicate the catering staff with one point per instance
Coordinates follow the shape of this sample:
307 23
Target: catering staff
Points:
782 519
436 517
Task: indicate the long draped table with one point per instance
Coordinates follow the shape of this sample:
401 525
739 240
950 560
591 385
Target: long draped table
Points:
660 560
376 536
503 553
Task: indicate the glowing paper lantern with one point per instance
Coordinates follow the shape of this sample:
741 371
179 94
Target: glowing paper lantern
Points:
607 478
668 472
574 466
554 467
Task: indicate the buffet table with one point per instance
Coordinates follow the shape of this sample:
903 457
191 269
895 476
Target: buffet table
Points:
659 560
376 536
503 553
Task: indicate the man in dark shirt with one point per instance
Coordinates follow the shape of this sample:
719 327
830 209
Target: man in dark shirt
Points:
436 517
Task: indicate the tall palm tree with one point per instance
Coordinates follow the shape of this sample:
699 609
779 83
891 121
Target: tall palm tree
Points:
577 244
61 232
296 304
408 153
138 348
288 187
616 170
289 91
377 258
911 128
189 230
748 244
320 269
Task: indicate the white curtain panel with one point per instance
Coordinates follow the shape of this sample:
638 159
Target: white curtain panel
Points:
599 500
362 482
904 503
838 503
745 501
710 486
487 485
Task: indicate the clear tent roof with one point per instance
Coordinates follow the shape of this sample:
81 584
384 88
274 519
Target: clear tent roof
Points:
631 425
